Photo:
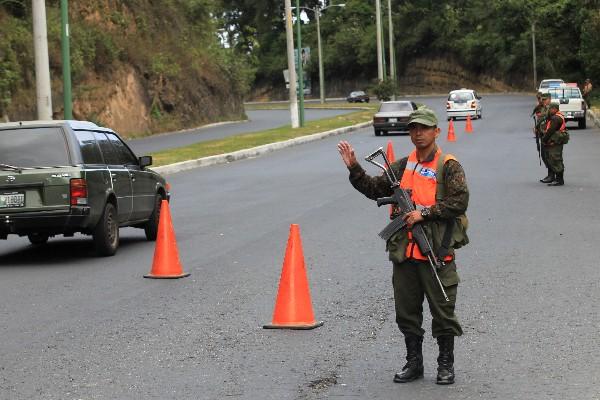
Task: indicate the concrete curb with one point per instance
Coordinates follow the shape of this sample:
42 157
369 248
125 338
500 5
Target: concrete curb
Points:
595 119
254 151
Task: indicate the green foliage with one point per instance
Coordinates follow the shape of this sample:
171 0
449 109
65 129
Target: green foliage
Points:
486 36
384 90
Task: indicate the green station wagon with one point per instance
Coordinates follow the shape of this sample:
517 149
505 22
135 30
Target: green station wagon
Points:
65 177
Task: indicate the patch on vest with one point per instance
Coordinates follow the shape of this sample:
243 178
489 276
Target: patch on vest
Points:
427 173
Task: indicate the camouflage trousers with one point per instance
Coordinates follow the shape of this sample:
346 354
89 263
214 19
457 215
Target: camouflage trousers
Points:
554 157
544 154
413 280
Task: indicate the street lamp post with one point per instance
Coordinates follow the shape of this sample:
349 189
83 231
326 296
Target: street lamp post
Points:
66 60
317 10
300 73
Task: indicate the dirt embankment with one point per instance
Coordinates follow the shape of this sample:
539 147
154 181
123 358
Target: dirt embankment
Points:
138 67
420 76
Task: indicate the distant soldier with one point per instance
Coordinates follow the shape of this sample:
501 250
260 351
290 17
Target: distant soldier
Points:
541 115
587 90
555 136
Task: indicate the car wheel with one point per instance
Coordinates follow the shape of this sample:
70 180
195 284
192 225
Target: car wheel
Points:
582 123
377 132
151 227
38 238
106 232
480 115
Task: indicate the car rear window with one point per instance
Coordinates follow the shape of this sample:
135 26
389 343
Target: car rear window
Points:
569 93
547 84
460 96
387 107
34 147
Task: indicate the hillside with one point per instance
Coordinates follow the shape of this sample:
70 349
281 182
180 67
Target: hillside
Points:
138 66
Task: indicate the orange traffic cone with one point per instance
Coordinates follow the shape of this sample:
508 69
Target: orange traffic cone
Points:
451 137
391 158
390 152
293 308
166 263
469 127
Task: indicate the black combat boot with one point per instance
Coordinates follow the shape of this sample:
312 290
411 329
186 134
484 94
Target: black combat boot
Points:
445 360
414 360
559 180
549 178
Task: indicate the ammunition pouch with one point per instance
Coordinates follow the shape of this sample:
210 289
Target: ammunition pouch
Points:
562 137
443 241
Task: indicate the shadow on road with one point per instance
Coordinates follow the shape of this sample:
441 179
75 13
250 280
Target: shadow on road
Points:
59 251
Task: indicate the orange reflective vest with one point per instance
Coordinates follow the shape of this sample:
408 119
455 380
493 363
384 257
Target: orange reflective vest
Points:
563 125
421 178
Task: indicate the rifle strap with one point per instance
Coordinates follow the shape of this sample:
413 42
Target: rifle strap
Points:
444 249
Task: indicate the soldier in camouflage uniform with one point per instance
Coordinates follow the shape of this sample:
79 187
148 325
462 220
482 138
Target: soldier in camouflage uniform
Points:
540 125
553 140
412 278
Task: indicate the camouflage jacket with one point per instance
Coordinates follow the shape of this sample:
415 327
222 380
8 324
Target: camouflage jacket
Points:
540 123
456 193
555 124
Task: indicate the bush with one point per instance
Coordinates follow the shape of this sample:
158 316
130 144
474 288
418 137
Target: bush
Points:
384 90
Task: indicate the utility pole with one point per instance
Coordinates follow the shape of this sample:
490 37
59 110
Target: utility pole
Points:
380 76
42 65
289 35
534 56
300 72
392 57
66 59
321 77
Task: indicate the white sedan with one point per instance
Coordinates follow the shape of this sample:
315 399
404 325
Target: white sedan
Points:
462 103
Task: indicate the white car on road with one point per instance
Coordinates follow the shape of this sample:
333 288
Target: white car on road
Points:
463 103
571 103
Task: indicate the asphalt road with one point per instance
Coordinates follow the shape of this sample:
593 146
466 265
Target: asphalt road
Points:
258 120
79 327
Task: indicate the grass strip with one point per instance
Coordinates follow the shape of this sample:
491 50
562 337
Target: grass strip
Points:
327 106
249 140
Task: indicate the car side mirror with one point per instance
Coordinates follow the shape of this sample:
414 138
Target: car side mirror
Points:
478 97
145 161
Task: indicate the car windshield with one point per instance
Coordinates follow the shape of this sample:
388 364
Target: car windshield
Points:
357 94
547 84
460 96
33 147
568 93
387 107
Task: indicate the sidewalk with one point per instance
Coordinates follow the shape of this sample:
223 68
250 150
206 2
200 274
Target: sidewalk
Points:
594 117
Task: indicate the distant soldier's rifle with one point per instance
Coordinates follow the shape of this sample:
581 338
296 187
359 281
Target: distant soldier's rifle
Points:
402 199
537 139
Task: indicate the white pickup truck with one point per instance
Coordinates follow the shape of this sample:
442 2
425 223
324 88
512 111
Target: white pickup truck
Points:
572 105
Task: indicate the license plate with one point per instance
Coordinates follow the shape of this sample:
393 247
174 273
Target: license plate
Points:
11 200
392 119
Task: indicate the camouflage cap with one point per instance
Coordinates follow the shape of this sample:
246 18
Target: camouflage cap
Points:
554 105
424 116
545 95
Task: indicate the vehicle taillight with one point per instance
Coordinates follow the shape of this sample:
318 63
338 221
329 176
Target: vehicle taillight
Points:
78 192
448 105
379 120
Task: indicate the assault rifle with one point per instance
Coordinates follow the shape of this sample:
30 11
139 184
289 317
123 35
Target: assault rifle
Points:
402 199
537 139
